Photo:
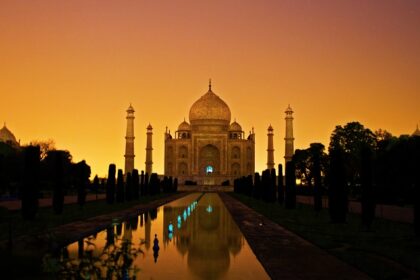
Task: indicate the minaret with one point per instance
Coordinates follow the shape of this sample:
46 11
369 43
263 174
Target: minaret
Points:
270 148
129 141
289 149
149 149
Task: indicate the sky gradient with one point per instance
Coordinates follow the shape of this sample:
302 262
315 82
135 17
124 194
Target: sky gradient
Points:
70 69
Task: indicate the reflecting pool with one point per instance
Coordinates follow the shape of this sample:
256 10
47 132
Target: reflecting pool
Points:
191 238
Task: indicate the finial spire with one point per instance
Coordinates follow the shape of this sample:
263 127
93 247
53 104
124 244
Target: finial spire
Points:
210 84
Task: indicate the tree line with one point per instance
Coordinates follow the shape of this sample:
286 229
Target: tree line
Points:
30 170
361 165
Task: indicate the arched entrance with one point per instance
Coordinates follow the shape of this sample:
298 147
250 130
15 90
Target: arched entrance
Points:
209 163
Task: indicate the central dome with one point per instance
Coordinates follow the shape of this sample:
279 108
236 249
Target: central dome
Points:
210 107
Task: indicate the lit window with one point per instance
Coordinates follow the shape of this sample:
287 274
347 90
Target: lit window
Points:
209 169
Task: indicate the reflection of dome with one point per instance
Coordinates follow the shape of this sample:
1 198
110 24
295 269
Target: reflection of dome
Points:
210 107
7 136
207 220
209 262
184 126
235 127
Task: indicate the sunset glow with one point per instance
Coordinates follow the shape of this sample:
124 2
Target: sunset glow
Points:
70 69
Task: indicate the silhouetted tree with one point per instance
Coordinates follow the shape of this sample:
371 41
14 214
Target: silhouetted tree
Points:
350 139
142 180
95 185
110 184
368 197
302 160
316 171
81 177
257 185
280 187
248 185
337 193
129 187
48 170
266 185
11 165
146 184
166 186
136 184
171 184
273 187
235 186
58 192
154 184
120 186
290 194
175 184
30 184
44 146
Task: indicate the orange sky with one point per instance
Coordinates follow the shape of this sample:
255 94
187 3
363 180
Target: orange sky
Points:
69 69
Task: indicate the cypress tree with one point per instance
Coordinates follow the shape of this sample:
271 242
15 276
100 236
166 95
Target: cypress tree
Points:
273 190
235 185
142 183
249 184
95 186
129 187
165 184
171 184
30 182
316 170
154 184
110 184
120 186
257 185
368 200
146 184
280 187
82 174
58 192
136 184
337 194
290 194
265 183
175 184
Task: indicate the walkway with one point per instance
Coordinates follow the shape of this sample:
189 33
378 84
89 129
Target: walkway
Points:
283 254
47 202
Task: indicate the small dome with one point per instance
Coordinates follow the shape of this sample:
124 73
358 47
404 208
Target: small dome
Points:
7 136
184 126
149 127
210 107
270 128
235 126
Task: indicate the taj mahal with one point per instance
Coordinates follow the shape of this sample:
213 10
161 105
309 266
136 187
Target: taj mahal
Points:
209 148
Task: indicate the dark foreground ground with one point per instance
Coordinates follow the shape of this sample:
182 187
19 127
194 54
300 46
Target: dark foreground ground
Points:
24 260
388 250
283 254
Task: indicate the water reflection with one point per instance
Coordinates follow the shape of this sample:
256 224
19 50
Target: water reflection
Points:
193 238
207 236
